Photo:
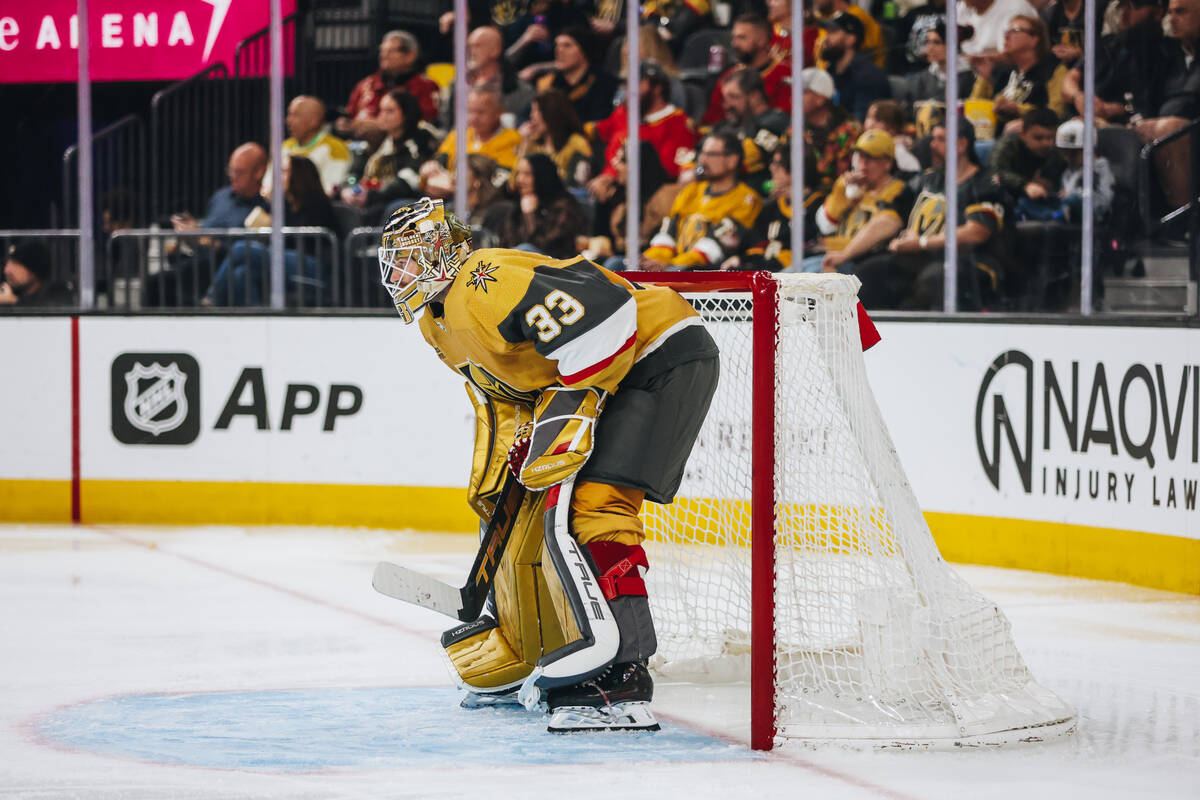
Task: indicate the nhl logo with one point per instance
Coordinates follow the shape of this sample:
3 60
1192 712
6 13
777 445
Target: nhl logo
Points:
155 398
144 407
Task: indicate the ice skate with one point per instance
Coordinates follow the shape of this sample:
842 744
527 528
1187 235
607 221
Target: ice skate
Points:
617 700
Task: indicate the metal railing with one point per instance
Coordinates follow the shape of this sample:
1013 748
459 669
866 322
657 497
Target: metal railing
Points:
360 270
190 141
221 267
118 164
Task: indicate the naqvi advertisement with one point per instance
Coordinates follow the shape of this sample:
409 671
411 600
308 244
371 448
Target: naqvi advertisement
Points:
1083 425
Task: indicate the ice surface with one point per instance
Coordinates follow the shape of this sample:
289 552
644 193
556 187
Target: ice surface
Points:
228 663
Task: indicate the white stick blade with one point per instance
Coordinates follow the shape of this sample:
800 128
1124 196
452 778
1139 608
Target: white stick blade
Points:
410 586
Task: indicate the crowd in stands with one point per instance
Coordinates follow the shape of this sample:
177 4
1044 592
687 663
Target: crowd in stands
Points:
547 119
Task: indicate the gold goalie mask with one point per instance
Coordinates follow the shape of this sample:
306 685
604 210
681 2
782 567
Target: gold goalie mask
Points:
422 250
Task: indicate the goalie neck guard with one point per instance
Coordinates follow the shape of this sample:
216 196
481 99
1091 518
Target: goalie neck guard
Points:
421 252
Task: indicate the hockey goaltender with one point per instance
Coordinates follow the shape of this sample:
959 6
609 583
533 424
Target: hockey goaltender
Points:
591 390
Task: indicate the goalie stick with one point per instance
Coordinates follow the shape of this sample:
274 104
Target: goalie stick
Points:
465 602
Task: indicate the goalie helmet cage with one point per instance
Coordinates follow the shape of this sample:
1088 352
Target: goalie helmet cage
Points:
796 550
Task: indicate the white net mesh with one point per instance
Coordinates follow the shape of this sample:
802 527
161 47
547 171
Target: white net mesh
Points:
876 637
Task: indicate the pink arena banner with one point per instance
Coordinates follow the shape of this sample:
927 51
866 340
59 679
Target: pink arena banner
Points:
130 40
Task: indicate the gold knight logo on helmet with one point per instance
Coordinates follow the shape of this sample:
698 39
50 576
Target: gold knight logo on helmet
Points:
421 252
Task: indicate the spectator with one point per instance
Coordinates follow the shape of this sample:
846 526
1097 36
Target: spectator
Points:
760 127
988 20
1069 142
554 128
909 275
488 68
709 218
1034 78
1180 104
484 135
589 88
865 209
751 45
399 54
1130 66
870 44
887 116
27 282
241 278
1028 167
1050 238
546 218
1065 25
664 127
929 84
768 245
306 123
230 205
392 172
829 133
909 55
486 200
859 82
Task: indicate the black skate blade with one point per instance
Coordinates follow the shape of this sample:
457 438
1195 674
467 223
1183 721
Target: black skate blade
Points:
605 729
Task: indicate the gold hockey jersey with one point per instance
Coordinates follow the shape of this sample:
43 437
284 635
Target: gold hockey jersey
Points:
841 218
704 228
515 323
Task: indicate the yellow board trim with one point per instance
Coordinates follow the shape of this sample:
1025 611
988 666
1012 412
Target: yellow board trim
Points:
212 502
35 501
1143 559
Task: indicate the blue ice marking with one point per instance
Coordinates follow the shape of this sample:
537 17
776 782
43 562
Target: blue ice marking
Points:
301 730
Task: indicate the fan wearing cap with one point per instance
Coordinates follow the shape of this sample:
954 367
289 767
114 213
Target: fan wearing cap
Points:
27 280
858 80
1068 140
865 209
909 275
829 135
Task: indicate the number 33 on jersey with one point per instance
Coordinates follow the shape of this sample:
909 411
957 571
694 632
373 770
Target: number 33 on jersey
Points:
533 322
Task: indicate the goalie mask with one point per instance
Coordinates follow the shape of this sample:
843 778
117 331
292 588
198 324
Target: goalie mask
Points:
422 250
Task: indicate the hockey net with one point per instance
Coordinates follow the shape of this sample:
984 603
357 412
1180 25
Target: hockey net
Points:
796 555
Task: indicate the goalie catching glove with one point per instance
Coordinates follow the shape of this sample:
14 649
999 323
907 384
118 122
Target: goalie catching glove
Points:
558 442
